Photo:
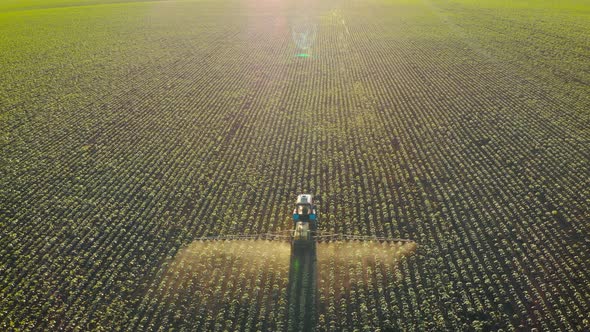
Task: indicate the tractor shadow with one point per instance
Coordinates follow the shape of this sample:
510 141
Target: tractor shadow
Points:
302 290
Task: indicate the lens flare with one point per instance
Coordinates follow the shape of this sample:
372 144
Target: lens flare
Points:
303 32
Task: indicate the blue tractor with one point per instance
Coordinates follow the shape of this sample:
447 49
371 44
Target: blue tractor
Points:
305 211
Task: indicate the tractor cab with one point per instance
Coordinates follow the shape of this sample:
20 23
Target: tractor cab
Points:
305 210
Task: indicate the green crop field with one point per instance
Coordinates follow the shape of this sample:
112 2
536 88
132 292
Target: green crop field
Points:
131 129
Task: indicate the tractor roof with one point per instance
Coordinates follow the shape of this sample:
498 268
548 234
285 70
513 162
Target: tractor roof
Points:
304 199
